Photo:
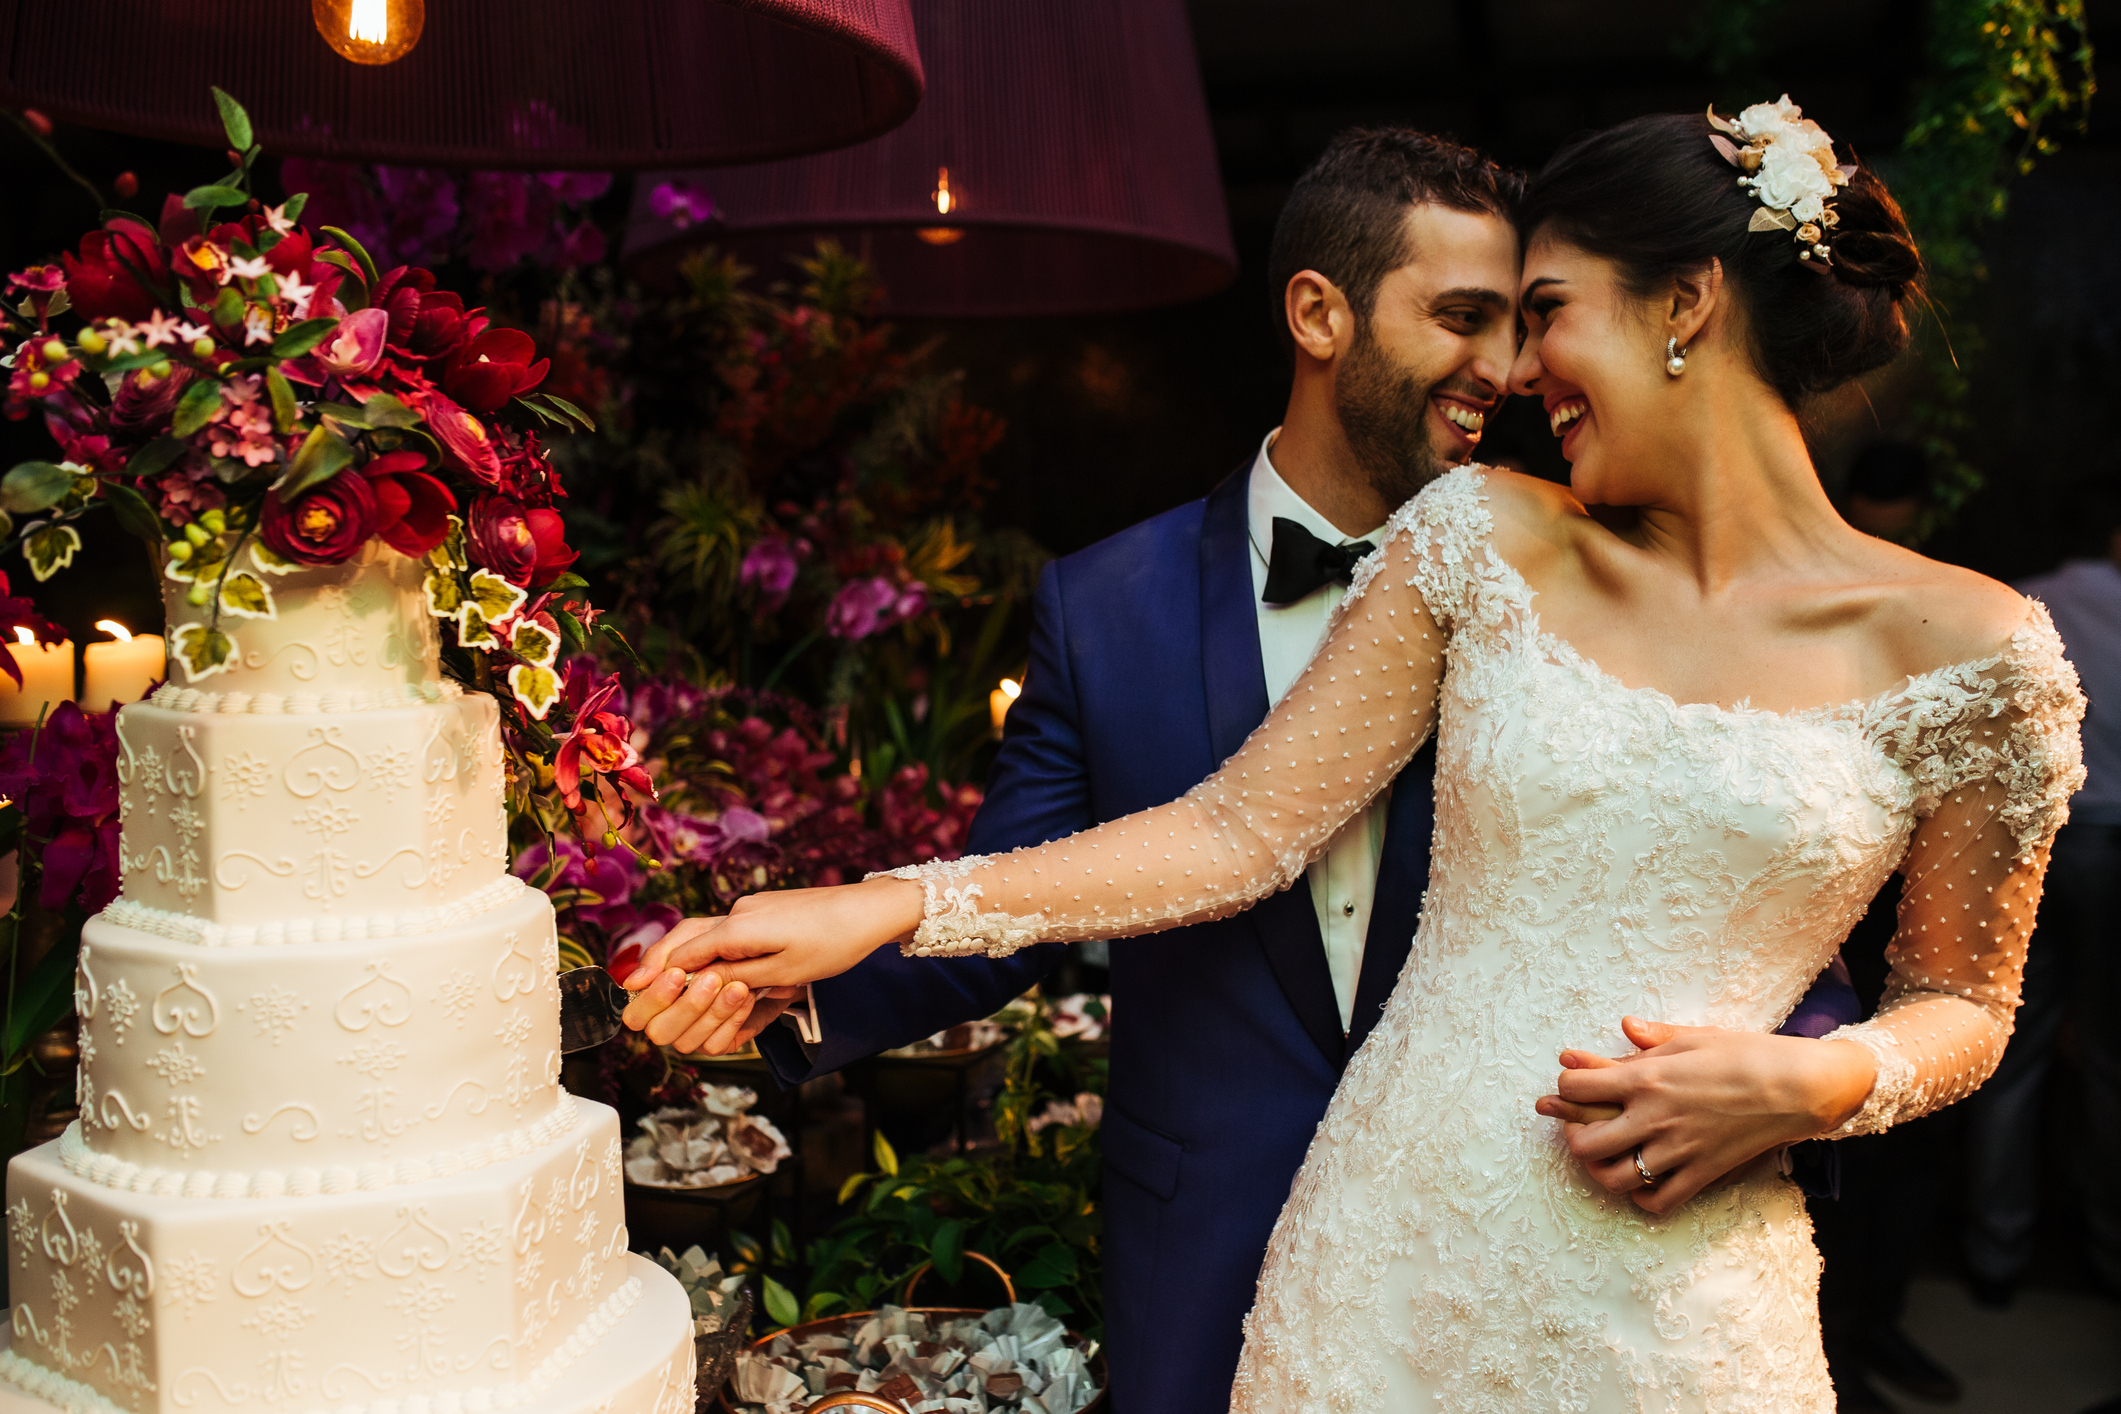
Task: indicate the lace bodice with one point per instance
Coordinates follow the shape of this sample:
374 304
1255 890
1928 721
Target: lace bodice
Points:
1723 852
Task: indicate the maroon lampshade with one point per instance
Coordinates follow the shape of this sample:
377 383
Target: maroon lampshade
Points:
548 84
1081 171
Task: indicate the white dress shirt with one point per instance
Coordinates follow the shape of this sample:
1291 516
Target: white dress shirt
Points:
1344 880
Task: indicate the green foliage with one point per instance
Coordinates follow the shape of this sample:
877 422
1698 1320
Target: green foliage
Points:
2001 76
1031 1203
780 425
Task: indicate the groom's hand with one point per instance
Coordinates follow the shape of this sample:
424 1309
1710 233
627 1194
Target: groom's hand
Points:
1698 1102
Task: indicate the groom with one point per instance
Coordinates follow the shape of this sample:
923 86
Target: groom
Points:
1394 269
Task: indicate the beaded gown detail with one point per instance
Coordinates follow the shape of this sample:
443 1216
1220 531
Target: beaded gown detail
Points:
1600 850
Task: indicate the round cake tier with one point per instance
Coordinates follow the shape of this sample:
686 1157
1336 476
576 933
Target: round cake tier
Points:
316 1066
510 1288
261 819
357 628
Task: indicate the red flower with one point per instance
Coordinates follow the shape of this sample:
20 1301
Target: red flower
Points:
65 778
103 284
599 744
554 554
18 612
465 440
494 367
426 324
325 525
412 508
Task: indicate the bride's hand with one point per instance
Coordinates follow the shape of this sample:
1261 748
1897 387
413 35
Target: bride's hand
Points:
1698 1102
766 942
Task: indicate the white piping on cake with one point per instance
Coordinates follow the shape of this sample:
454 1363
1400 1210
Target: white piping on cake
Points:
67 1393
191 699
182 928
127 1177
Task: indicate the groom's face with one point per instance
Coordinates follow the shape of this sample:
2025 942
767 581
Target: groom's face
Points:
1432 360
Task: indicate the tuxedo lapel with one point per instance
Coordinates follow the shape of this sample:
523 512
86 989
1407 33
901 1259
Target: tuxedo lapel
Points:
1402 877
1287 924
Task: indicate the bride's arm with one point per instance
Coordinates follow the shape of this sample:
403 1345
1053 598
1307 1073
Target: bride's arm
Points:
1697 1102
1352 720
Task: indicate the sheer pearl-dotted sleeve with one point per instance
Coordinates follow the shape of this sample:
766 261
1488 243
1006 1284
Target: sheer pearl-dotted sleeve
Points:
1995 755
1351 721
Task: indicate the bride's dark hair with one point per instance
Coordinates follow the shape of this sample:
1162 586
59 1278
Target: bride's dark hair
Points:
1654 197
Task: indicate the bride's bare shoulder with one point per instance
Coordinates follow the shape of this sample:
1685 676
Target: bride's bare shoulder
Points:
1534 519
1930 614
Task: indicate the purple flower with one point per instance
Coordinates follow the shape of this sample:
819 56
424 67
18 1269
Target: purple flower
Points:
577 188
584 245
681 203
612 876
770 566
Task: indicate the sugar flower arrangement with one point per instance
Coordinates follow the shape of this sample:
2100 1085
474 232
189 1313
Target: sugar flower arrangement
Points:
252 398
1787 161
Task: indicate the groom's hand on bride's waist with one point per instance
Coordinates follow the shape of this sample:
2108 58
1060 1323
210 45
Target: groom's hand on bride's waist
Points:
1696 1103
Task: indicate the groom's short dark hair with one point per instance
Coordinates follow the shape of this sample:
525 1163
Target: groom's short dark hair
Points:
1346 216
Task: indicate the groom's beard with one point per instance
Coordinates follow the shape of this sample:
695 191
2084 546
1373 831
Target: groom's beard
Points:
1384 413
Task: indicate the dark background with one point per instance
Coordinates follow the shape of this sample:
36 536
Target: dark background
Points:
1114 418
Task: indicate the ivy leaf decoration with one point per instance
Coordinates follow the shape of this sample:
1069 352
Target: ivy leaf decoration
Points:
473 630
537 688
535 642
445 593
247 596
49 549
270 560
494 597
203 650
449 555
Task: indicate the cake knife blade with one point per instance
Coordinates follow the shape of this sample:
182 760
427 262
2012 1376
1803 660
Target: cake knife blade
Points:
591 1005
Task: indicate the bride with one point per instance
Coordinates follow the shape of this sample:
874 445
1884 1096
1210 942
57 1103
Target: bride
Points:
1688 721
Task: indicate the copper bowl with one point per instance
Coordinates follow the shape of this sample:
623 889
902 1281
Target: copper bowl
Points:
880 1404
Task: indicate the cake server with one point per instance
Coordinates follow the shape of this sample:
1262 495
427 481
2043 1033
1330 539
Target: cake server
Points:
592 1006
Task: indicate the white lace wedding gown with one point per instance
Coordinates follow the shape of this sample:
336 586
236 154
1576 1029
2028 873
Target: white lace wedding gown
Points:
1599 850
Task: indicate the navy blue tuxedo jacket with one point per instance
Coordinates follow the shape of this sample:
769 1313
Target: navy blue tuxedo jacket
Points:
1145 674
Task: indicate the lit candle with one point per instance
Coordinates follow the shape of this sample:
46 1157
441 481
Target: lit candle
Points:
122 670
47 680
998 701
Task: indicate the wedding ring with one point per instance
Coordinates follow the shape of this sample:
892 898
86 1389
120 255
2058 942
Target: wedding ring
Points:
1649 1180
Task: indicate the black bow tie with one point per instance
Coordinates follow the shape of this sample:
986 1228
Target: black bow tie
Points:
1302 562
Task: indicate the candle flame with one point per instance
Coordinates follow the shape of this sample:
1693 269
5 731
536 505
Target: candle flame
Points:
944 201
115 630
1012 688
25 637
369 21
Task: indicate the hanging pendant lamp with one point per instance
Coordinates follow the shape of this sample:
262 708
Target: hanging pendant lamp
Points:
1061 162
546 84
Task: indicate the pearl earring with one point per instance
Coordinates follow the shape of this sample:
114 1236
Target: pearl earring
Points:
1675 358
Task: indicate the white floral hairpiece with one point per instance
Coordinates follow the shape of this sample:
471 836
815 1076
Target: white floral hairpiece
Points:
1787 161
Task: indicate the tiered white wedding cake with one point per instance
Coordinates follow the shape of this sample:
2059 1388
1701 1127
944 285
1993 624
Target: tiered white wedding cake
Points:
323 1160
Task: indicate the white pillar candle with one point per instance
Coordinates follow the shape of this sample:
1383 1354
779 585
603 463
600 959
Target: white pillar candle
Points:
47 680
120 671
998 701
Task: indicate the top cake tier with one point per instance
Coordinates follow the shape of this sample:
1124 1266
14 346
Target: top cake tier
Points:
343 637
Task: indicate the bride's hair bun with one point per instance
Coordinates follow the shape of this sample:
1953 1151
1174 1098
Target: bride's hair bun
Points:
1655 197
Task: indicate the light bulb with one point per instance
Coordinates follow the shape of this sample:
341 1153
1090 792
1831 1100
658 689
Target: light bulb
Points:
115 630
370 31
946 201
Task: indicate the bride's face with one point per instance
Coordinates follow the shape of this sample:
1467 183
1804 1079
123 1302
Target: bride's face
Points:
1593 356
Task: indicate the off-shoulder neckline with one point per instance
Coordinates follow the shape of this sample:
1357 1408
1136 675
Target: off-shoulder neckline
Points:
1859 709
